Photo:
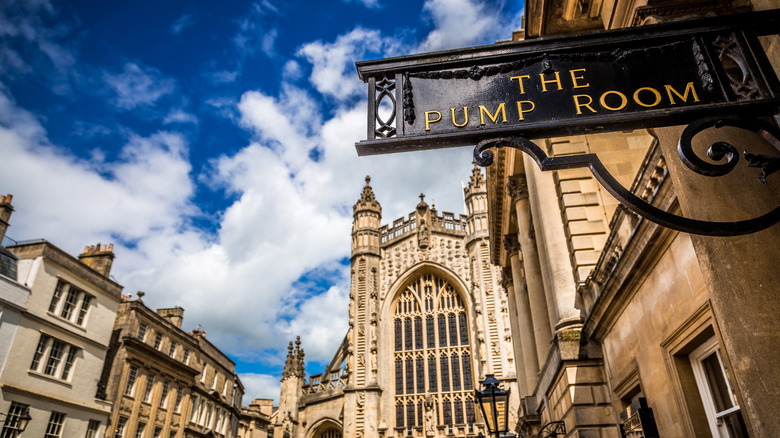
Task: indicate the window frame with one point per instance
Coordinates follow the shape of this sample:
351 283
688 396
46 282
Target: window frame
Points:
54 358
93 429
54 427
12 418
71 303
697 357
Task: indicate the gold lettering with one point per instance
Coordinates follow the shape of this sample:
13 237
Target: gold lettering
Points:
652 90
574 78
623 99
494 117
557 80
428 121
520 107
465 117
684 97
580 105
520 81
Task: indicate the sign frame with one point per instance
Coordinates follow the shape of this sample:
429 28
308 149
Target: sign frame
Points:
711 39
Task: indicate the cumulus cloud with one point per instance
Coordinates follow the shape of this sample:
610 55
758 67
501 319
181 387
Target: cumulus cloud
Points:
257 281
333 64
260 386
463 23
138 86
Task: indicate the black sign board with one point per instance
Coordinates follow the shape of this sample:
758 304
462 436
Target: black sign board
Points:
666 74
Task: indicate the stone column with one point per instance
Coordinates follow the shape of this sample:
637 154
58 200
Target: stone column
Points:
554 254
740 272
543 321
524 319
508 283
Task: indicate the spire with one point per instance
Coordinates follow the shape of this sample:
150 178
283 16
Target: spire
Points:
477 180
367 199
289 363
366 222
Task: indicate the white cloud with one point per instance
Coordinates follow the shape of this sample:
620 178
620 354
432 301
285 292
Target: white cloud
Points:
260 386
294 184
180 116
138 86
463 23
333 64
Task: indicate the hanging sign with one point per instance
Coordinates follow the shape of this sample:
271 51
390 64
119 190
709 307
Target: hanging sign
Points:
667 74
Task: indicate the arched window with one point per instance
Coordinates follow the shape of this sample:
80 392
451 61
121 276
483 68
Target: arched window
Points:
328 432
432 352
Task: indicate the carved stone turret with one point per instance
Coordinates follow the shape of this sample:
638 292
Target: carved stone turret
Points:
367 217
293 379
476 206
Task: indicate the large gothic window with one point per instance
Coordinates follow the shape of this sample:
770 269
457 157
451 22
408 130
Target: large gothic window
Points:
432 355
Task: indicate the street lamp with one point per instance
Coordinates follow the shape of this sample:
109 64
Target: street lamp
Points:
18 420
494 403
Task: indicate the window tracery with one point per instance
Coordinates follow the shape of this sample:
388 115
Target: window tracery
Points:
432 351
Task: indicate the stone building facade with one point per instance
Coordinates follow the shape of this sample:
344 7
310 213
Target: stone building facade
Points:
60 311
616 313
256 419
428 319
165 382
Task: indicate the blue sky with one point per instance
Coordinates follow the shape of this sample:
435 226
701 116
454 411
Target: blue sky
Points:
213 144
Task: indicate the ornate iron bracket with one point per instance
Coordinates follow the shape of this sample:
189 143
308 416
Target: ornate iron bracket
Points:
484 157
552 430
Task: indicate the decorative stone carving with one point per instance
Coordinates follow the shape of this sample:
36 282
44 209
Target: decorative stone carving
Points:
511 244
517 188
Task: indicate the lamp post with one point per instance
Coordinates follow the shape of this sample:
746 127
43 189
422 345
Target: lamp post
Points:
18 420
494 403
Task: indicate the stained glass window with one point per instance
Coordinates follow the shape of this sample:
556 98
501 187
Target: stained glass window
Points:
455 373
432 351
418 340
445 373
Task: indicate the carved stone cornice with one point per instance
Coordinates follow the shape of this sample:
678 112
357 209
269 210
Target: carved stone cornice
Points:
511 245
517 188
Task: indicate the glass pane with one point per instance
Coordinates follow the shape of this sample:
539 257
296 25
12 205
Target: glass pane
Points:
717 382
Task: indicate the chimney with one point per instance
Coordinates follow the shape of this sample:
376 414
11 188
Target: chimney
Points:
264 405
174 315
5 214
98 258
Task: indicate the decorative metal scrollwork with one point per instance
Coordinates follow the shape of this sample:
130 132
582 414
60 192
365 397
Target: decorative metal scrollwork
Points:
552 430
720 150
385 89
484 157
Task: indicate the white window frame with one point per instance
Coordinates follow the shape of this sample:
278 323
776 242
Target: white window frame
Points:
70 303
121 423
12 419
149 388
93 428
57 363
142 328
158 340
702 352
132 377
54 428
164 394
139 430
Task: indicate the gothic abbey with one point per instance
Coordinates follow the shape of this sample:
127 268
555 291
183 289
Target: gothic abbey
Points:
428 319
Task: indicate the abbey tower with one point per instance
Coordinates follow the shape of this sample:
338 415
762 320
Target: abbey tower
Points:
428 319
